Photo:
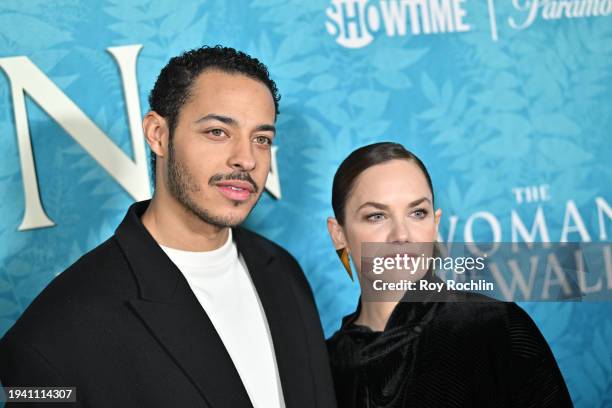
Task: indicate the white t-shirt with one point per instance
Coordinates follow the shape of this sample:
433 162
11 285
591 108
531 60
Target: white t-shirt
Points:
221 282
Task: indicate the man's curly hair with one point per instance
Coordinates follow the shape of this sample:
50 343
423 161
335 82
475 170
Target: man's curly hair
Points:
175 81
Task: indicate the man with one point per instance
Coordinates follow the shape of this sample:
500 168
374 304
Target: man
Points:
181 307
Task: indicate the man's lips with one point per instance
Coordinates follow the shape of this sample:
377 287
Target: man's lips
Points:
238 184
235 190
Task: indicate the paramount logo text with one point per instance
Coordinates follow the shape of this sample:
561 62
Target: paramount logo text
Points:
556 10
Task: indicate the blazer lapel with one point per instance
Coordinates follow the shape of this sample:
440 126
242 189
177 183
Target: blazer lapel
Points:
169 308
278 299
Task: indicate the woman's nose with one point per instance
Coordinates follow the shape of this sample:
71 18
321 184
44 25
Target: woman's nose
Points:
400 233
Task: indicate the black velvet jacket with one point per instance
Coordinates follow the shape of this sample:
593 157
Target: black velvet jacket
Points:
452 354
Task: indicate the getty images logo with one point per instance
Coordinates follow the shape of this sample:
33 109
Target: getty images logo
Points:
353 22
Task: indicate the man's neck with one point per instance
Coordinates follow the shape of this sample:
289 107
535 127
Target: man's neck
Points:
174 226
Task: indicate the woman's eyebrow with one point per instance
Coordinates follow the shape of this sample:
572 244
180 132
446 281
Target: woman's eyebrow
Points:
384 206
419 201
373 204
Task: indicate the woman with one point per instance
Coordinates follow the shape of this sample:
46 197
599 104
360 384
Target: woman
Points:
424 354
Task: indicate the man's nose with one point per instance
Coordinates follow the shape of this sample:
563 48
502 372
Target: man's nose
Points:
242 157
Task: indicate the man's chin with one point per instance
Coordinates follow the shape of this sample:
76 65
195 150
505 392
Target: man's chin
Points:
222 219
231 222
226 220
221 213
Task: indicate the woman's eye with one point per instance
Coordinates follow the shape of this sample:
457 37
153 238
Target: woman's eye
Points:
375 217
263 140
420 213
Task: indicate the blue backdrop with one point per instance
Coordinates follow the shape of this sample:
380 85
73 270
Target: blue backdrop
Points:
508 103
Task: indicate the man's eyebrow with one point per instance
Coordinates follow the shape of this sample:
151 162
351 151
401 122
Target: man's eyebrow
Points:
266 128
233 122
221 118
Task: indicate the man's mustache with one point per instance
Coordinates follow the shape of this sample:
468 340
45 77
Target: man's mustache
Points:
242 176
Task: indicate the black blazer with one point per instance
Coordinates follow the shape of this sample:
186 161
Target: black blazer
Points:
123 326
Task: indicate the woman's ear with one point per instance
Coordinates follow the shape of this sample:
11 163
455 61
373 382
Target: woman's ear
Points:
336 233
437 216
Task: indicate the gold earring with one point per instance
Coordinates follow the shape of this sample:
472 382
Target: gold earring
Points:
344 258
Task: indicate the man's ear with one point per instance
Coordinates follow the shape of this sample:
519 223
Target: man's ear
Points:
336 233
156 133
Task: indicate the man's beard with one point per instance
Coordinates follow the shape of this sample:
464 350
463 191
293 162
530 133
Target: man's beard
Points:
181 184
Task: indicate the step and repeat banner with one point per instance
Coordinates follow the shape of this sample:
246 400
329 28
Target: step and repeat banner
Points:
508 103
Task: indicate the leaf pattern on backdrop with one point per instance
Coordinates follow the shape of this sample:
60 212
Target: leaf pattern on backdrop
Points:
28 261
334 100
529 109
484 116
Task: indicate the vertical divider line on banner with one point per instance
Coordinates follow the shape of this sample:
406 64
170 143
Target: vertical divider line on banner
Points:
493 20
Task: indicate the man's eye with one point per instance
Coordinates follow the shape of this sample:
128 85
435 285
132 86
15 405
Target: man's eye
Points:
217 132
263 140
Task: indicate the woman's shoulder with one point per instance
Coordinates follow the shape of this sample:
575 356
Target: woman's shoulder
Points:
340 335
344 334
478 309
465 312
503 322
335 339
467 308
343 349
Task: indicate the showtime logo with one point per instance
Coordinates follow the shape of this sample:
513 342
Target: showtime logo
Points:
354 22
